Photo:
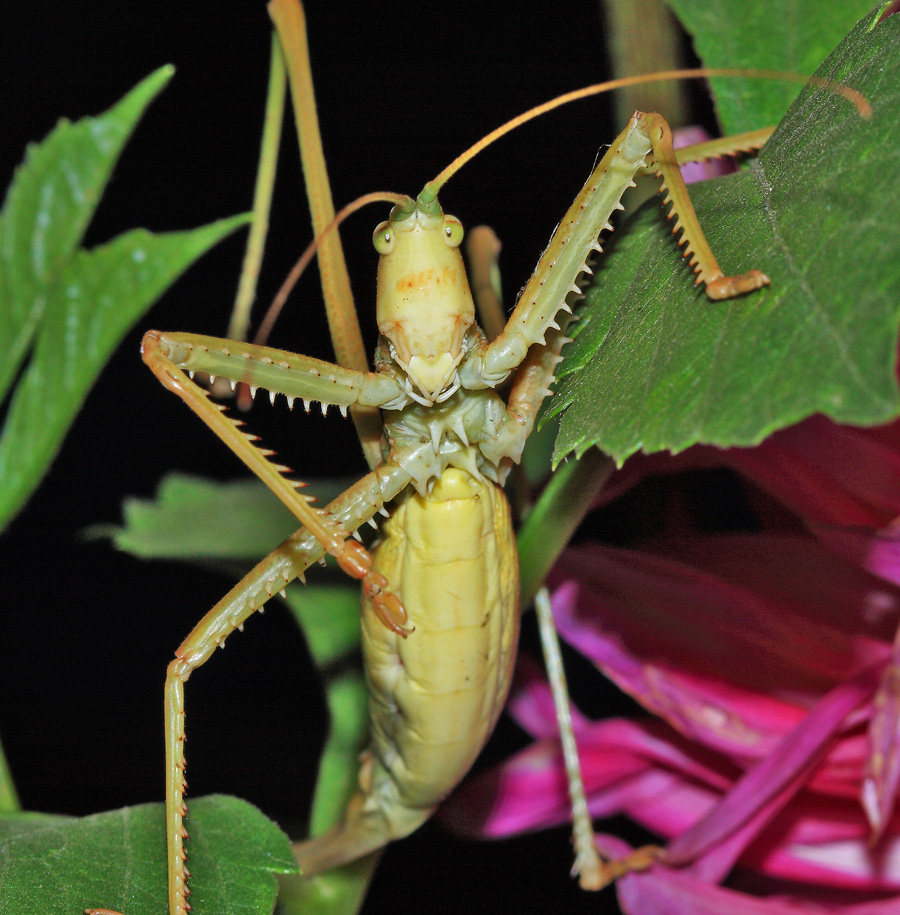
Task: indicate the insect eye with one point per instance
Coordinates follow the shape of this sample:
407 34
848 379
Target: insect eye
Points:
383 238
453 231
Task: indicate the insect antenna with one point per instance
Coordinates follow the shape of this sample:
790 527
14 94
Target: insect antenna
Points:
274 310
429 193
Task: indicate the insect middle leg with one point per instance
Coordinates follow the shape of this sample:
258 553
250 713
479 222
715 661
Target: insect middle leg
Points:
285 563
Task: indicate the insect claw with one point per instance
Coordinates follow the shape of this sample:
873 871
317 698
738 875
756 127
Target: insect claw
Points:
343 410
356 536
383 511
272 397
191 374
306 404
212 379
290 401
391 612
371 523
283 593
233 385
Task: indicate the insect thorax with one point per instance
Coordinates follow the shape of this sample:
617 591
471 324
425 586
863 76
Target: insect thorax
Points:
425 440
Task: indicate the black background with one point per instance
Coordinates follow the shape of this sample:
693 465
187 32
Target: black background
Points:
87 632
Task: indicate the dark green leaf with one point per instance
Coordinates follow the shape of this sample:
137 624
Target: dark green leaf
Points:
117 860
657 366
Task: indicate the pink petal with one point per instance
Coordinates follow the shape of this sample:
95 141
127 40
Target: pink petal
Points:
688 619
649 773
801 576
882 772
700 171
724 832
666 891
531 705
743 723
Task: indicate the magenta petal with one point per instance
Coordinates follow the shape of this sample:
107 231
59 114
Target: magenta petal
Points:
878 792
531 702
664 890
689 619
530 791
700 171
763 790
740 722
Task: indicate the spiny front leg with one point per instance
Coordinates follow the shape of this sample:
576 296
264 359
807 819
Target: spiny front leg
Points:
288 561
172 357
646 140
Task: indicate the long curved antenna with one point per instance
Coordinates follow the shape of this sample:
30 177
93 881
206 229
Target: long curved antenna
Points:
274 310
431 190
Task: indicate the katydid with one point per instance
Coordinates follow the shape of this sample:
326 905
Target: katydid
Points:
440 607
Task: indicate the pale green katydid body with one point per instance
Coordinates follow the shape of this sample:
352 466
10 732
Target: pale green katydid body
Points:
448 434
440 606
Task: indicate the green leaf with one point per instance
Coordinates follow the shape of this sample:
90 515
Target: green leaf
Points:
195 518
657 366
70 308
340 891
117 860
329 618
790 36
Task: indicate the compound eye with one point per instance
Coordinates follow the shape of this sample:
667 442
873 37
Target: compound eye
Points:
453 231
383 238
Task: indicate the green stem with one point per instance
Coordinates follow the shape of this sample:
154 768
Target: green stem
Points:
560 509
262 196
9 799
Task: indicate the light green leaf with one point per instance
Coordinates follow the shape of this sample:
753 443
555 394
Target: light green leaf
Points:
70 308
197 518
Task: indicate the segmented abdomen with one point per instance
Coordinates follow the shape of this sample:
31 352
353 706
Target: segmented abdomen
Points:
436 695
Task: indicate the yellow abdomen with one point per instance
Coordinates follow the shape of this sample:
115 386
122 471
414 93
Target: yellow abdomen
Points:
436 695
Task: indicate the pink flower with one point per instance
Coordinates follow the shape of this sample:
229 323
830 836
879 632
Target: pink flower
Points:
767 663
